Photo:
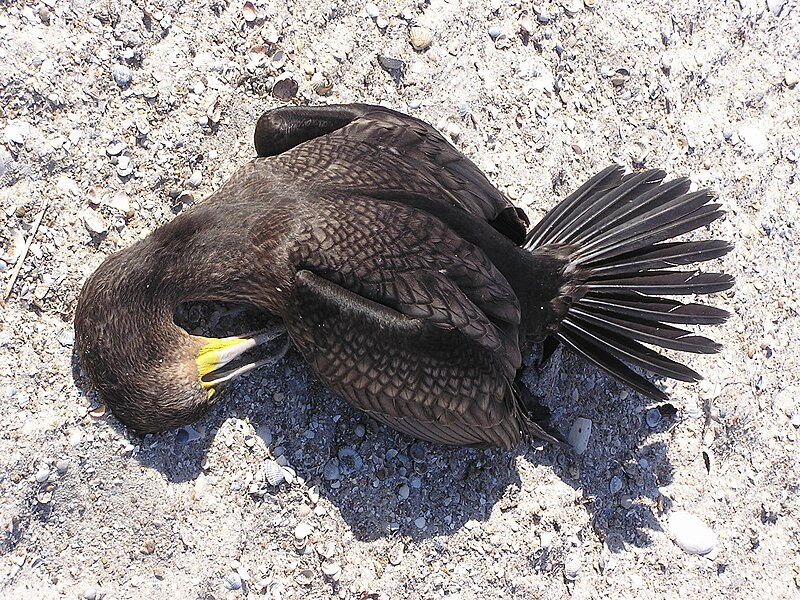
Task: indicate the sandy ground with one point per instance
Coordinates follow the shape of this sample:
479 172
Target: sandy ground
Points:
107 110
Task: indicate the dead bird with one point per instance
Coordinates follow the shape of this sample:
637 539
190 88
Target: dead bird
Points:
408 282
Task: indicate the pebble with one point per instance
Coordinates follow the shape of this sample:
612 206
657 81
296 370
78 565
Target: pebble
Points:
89 593
372 10
62 465
494 32
791 78
691 534
43 474
195 179
615 485
302 531
653 418
579 435
249 12
233 581
122 75
115 147
572 566
754 137
420 522
403 492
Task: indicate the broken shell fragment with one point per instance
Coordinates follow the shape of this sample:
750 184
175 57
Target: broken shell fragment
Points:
391 63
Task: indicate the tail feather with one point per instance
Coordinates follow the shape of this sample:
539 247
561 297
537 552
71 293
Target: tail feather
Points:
655 309
663 256
614 236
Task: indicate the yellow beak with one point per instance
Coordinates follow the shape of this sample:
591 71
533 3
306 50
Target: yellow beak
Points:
216 353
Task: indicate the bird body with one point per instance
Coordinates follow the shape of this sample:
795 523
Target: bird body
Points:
406 280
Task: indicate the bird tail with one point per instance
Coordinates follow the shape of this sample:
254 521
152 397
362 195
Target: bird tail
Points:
616 261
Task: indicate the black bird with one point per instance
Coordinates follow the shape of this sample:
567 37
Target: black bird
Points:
407 281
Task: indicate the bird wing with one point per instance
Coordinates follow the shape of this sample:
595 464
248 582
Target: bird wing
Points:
433 383
404 318
377 150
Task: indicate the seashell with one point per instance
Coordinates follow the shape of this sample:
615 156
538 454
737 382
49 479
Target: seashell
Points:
278 60
302 531
579 435
115 148
691 534
326 550
214 109
391 63
653 418
321 85
249 12
331 568
98 411
273 472
285 88
502 41
420 37
195 179
305 577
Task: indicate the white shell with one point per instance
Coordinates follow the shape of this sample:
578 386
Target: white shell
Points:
579 435
302 531
273 472
249 12
420 37
691 534
321 84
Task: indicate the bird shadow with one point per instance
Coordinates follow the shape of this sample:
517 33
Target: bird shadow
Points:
384 483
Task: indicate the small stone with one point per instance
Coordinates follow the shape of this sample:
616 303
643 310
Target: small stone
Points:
372 10
579 435
791 78
775 7
62 465
403 492
115 147
572 566
233 581
545 540
122 75
89 594
195 179
653 418
331 470
615 485
494 32
43 474
302 531
691 534
420 522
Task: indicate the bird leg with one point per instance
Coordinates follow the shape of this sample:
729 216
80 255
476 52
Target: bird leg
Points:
220 352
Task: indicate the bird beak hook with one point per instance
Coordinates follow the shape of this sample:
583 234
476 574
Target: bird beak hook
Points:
216 353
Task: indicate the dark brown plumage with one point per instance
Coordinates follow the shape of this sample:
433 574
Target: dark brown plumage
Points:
405 279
